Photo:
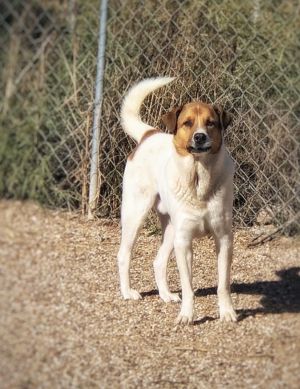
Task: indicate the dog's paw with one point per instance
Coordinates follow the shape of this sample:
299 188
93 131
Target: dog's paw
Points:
167 297
131 294
228 314
183 319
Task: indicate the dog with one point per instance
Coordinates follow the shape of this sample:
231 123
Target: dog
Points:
186 175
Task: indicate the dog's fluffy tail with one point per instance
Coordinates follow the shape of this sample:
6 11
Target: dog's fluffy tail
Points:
130 117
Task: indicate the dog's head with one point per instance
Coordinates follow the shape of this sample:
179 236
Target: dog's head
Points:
197 127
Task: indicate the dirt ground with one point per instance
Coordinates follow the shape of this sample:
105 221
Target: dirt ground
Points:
63 323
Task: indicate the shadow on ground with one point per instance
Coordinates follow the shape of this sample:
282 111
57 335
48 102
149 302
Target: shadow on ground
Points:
278 296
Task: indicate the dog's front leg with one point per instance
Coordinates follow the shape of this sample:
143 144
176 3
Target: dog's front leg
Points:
184 255
224 250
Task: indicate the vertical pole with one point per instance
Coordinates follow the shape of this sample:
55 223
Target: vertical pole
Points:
94 172
256 11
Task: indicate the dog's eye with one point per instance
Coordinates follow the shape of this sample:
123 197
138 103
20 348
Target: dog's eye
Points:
210 123
188 123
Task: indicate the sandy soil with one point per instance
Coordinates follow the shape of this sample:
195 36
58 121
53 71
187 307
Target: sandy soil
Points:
63 323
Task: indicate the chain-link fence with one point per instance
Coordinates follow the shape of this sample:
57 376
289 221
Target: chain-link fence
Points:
48 72
243 55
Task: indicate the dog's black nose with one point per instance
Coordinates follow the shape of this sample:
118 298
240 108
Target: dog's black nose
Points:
200 138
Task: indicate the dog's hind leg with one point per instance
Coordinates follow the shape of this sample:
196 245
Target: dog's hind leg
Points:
134 212
161 260
224 250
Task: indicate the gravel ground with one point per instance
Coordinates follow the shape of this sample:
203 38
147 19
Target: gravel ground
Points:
63 323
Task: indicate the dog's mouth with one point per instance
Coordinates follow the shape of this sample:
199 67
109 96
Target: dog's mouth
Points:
199 149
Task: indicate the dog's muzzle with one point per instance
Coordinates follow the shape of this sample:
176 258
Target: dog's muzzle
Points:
200 143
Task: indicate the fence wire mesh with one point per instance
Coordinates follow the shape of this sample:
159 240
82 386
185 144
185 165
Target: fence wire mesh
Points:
48 71
242 55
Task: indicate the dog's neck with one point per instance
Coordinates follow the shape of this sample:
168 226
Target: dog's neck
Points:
198 178
207 174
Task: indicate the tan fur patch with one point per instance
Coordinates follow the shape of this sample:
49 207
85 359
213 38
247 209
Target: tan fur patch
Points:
193 116
144 137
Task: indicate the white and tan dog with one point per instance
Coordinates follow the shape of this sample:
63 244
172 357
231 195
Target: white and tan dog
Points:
187 177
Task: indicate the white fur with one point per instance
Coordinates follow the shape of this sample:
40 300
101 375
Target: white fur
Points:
158 176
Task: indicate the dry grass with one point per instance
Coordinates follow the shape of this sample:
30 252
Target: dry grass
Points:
63 323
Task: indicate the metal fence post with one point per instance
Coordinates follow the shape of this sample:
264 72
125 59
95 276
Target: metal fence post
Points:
94 170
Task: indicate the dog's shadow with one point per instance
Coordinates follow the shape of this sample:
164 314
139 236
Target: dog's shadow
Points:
278 296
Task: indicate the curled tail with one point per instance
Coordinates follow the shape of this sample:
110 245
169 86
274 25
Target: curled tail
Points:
130 117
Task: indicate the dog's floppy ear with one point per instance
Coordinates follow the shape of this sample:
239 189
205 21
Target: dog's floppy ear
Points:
170 119
225 118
